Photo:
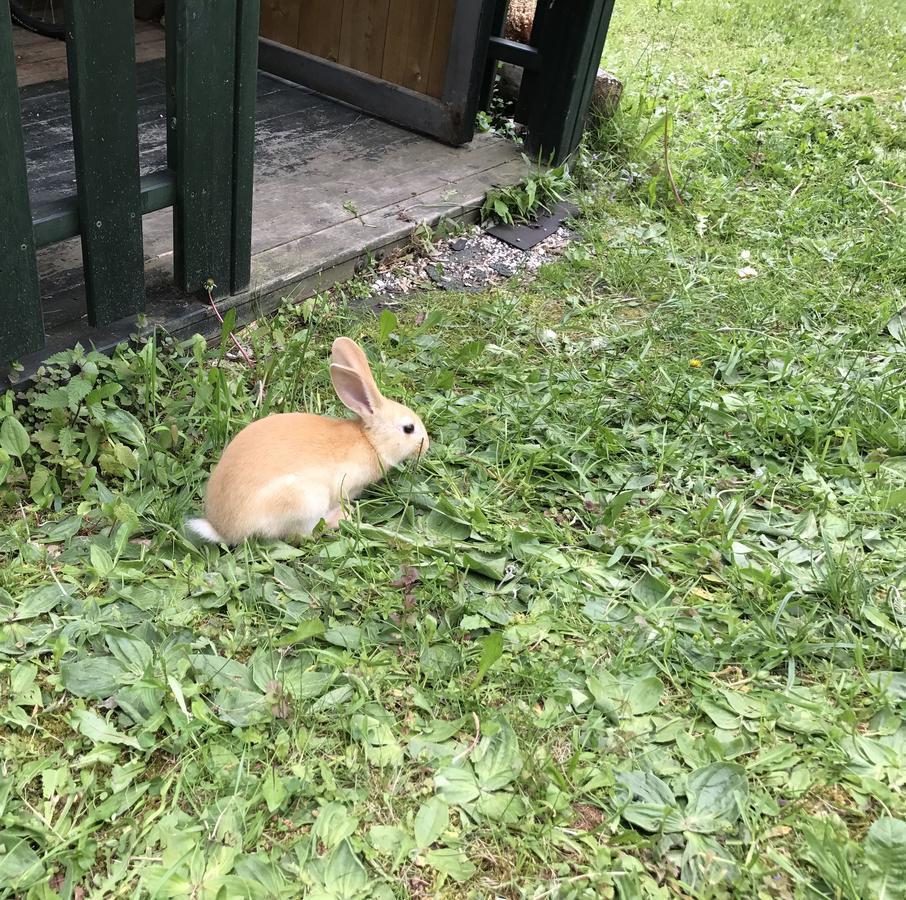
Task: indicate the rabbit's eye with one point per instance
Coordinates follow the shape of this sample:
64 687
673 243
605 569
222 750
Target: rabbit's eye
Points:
409 429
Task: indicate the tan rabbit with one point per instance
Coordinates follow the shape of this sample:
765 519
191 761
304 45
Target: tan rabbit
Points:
284 473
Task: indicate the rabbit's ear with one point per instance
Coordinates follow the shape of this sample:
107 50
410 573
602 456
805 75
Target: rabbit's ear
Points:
348 354
355 392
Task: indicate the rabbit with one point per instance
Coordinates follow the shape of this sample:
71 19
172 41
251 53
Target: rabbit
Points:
281 475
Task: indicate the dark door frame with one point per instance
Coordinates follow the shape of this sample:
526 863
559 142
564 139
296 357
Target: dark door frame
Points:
451 118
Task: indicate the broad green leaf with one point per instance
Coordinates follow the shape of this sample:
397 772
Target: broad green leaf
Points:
332 699
456 785
273 790
706 863
178 695
387 323
308 629
431 821
262 876
20 865
439 661
6 465
22 688
745 705
96 677
720 715
344 873
167 881
373 728
646 801
885 858
123 424
220 672
451 862
101 561
334 824
390 840
645 695
131 651
714 793
893 684
240 706
650 591
41 601
122 776
895 499
613 509
491 651
98 730
896 326
308 685
447 526
497 760
607 694
13 437
490 566
500 806
347 636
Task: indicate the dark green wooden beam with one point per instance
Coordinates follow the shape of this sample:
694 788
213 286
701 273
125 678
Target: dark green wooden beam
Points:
58 220
247 21
21 323
569 35
201 72
515 53
102 87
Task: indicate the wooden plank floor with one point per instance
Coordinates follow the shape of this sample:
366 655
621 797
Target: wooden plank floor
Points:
40 59
332 185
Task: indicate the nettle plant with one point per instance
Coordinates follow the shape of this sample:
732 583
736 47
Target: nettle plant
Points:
525 201
78 431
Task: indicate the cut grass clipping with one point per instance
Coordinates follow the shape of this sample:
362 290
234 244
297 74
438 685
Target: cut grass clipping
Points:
635 628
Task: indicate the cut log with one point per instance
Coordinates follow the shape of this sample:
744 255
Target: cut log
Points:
605 95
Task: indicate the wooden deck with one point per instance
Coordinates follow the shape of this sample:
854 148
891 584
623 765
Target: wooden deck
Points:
332 186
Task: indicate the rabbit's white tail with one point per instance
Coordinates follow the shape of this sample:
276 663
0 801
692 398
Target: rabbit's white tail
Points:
202 528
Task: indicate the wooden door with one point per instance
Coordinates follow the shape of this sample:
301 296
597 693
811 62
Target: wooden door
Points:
417 63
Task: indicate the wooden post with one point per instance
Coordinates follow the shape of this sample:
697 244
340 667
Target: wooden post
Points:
247 19
498 23
569 35
201 40
21 322
102 86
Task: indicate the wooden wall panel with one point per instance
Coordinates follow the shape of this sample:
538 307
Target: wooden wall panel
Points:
363 35
406 42
320 22
443 33
410 43
280 20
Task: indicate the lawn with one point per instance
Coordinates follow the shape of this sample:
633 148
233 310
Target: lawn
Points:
635 628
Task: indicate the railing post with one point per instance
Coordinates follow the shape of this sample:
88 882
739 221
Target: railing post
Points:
202 36
247 21
498 23
102 87
21 322
569 35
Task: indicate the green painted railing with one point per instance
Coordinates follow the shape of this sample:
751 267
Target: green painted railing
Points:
559 68
211 69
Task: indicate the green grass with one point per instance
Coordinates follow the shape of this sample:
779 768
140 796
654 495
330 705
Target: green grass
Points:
634 629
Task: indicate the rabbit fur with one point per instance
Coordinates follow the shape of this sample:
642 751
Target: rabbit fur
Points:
281 475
